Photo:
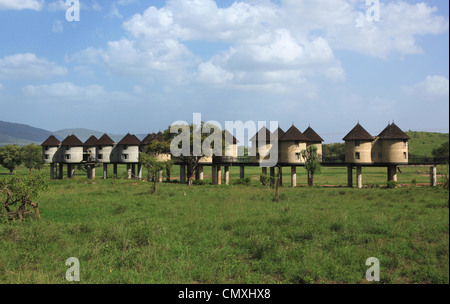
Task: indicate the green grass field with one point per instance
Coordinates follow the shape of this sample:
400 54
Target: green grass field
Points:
231 234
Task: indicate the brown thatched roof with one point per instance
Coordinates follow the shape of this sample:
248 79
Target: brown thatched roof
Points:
91 141
105 140
234 141
280 132
392 131
358 133
148 139
72 141
52 141
130 140
312 135
293 134
260 134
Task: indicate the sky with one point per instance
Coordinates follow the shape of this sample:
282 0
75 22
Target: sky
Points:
138 66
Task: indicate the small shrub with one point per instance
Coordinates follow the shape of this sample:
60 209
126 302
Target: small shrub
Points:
391 185
246 181
200 182
267 181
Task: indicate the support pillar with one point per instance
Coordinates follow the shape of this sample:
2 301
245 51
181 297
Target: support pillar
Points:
93 171
139 171
264 171
200 172
52 171
182 174
168 175
69 171
115 170
293 177
281 175
272 172
133 171
350 176
242 174
105 171
392 173
61 170
227 175
433 176
128 171
214 175
219 175
359 177
160 176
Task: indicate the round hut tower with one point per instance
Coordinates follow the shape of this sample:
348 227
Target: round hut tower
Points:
90 149
72 150
358 146
50 148
394 145
128 149
261 145
291 145
314 140
104 149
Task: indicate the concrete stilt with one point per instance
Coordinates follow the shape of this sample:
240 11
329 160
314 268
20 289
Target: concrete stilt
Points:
89 172
115 170
294 177
242 174
182 174
264 171
133 171
227 175
219 175
168 175
392 173
105 171
161 176
93 171
359 177
272 172
61 171
52 171
128 171
433 176
140 171
350 176
200 172
214 175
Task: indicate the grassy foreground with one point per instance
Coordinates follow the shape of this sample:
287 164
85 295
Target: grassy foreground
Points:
228 234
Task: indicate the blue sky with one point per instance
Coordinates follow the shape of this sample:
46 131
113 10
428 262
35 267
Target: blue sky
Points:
137 66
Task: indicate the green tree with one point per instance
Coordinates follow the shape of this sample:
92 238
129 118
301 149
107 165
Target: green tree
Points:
32 157
312 163
154 167
10 157
18 193
442 150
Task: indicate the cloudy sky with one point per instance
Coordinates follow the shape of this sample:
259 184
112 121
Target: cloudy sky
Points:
137 66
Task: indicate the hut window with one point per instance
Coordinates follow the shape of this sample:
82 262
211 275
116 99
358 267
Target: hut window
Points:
297 156
100 156
357 155
258 156
67 148
297 143
46 148
125 147
405 155
405 143
100 148
357 143
125 156
47 156
67 156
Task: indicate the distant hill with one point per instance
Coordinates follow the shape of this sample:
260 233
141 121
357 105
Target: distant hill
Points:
20 134
423 143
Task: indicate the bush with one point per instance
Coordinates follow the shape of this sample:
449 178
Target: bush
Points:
392 185
267 181
246 181
200 182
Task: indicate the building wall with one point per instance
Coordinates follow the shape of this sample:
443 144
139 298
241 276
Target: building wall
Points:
364 150
231 150
75 153
50 155
393 151
93 153
290 151
132 153
105 152
261 151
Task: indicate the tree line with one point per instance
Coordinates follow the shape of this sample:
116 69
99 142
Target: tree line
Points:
13 156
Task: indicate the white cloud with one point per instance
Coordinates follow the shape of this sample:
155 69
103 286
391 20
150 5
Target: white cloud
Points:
69 92
432 87
58 26
29 66
21 4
